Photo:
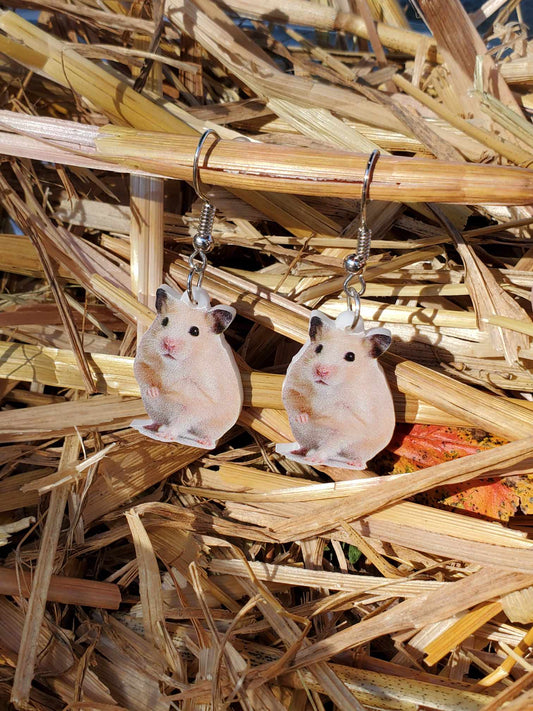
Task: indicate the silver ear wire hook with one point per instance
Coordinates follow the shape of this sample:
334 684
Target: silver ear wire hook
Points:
196 160
355 263
203 239
369 171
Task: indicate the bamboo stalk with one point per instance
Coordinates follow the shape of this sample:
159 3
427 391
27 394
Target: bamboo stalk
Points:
69 591
518 71
488 8
395 692
513 324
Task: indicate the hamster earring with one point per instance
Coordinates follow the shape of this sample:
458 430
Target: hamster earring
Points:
189 381
335 392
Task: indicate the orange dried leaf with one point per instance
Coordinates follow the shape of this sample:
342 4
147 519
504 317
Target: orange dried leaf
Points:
488 498
420 446
426 445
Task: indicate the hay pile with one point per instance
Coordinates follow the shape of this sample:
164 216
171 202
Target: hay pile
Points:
140 575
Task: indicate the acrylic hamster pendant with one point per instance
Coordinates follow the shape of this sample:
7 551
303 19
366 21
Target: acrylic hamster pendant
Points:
190 384
335 392
189 380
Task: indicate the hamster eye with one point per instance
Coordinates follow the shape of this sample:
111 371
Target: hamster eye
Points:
194 331
164 321
349 356
319 348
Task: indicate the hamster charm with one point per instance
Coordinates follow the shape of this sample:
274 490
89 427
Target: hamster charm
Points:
189 380
335 392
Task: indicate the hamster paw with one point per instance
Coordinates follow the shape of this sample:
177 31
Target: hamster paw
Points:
355 463
153 391
167 433
205 442
153 426
315 459
300 452
301 417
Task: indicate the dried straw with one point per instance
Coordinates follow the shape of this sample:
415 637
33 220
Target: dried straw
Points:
141 574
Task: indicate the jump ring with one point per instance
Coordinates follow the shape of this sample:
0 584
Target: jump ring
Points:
198 261
354 303
362 284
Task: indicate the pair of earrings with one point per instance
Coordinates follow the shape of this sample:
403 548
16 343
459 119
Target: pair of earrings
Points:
336 395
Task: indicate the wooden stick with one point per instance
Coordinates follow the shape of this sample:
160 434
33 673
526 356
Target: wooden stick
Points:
68 591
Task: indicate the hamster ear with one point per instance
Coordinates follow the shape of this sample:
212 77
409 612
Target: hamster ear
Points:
318 324
379 339
162 296
220 318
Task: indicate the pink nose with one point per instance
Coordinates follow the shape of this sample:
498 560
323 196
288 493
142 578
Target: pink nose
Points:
322 371
170 344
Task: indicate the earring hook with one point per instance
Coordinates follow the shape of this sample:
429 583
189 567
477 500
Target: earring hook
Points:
367 179
355 263
196 159
203 239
